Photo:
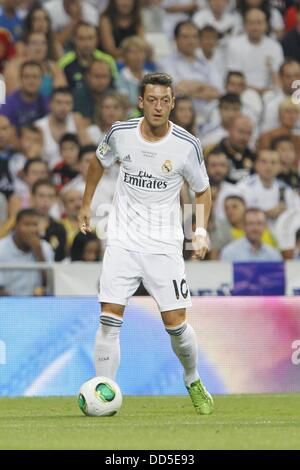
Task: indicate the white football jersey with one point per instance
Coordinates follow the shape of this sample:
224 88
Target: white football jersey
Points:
146 214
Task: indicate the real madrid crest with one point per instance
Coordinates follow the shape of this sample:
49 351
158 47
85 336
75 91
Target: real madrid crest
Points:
167 166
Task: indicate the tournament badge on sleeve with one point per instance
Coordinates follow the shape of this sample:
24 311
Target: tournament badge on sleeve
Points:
103 148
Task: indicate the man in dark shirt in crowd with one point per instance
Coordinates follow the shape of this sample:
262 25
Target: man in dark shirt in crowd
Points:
6 151
43 199
26 105
291 40
236 148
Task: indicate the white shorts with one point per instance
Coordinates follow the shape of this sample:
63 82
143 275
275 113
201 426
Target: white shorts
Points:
163 275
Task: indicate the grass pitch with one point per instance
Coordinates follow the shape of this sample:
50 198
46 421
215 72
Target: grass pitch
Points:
170 423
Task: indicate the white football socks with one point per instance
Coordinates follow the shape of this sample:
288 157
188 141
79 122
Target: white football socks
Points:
184 344
107 347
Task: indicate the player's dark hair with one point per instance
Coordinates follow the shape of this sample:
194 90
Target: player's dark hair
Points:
69 137
87 149
31 162
233 73
236 197
277 140
156 78
30 63
230 98
26 213
181 24
62 90
40 183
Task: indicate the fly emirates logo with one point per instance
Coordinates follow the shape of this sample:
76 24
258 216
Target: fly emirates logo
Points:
145 181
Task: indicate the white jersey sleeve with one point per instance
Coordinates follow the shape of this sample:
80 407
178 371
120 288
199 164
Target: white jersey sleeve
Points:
194 170
107 152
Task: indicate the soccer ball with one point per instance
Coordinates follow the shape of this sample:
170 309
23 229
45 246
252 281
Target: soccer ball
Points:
100 396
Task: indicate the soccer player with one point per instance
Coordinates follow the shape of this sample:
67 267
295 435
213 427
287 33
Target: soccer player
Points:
144 235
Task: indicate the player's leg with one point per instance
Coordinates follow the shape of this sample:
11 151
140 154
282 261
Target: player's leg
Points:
164 278
185 346
119 280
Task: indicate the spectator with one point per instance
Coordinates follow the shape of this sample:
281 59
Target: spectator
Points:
38 20
236 148
58 122
288 73
7 48
217 165
66 14
217 16
36 50
252 105
26 105
112 107
3 210
274 17
6 151
43 199
77 61
67 169
250 247
265 191
229 109
288 116
10 18
255 47
88 96
135 51
72 201
120 20
291 40
191 75
235 209
218 229
33 171
86 248
184 114
176 11
85 156
24 246
287 153
297 248
211 52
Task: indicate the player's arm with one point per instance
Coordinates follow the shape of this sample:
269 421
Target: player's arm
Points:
203 208
94 175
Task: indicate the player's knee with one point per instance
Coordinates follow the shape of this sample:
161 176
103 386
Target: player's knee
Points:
114 309
177 330
174 318
110 324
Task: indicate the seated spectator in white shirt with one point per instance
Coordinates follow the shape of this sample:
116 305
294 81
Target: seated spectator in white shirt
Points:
251 101
192 76
65 15
24 246
255 54
229 108
217 166
250 247
288 161
212 51
274 17
218 16
265 191
289 73
184 114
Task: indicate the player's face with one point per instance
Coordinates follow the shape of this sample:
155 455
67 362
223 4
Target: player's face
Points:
157 104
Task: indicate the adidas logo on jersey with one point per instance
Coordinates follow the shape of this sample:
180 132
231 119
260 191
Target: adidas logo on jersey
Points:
127 158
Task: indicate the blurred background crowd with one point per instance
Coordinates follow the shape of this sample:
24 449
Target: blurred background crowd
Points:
72 67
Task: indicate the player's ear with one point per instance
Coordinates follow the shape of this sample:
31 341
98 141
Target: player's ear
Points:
141 102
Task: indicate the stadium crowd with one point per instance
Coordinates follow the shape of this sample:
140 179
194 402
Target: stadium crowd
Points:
72 67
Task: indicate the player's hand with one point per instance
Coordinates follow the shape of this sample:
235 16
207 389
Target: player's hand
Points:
84 220
201 247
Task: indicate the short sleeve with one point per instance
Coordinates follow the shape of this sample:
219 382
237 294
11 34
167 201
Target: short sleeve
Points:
194 171
106 151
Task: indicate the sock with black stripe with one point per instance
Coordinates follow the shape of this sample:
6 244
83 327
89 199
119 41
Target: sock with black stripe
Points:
107 347
184 344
